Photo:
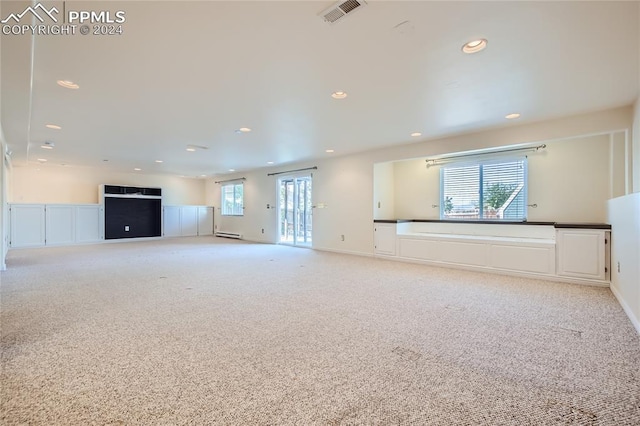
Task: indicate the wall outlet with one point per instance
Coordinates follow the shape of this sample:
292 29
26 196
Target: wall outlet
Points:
342 237
126 228
618 267
378 204
263 230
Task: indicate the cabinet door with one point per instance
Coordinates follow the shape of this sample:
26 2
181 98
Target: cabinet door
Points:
27 225
89 224
205 220
385 238
188 221
171 221
60 224
581 253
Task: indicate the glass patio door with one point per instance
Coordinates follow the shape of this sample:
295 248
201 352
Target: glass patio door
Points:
295 218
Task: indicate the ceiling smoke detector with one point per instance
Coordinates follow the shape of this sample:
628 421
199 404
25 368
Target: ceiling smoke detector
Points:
340 10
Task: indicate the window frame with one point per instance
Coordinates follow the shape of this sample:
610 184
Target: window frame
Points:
480 163
237 208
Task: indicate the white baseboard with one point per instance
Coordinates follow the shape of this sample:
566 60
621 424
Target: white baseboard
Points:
353 253
626 308
546 277
251 240
125 240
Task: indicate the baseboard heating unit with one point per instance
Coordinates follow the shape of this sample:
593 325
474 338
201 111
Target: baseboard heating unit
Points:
229 235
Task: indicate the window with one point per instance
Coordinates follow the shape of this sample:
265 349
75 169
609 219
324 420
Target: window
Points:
233 199
488 190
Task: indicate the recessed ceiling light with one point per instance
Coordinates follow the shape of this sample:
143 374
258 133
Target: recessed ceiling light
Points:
269 162
53 126
512 116
244 129
203 175
339 95
232 170
474 46
47 145
329 150
137 169
191 147
68 84
416 134
159 161
42 160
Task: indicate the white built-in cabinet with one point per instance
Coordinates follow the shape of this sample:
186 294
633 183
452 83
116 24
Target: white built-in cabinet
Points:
189 221
583 253
171 221
205 220
575 253
36 225
185 221
60 224
89 223
27 225
385 238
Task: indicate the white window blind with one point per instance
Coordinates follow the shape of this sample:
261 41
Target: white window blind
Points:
488 190
233 199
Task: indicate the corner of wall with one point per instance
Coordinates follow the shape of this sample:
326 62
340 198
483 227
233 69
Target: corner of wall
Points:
624 217
4 210
635 148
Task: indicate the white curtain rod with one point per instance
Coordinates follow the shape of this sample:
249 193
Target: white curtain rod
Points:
230 180
293 171
435 161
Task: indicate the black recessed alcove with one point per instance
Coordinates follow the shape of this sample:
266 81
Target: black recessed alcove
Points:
132 212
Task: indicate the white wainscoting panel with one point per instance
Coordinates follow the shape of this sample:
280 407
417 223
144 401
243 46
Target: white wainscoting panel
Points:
464 253
27 225
523 258
89 223
205 220
418 249
188 221
60 224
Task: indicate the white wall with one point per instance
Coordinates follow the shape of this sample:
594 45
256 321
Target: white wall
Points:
345 184
635 163
624 216
620 157
4 211
417 190
79 185
384 190
570 181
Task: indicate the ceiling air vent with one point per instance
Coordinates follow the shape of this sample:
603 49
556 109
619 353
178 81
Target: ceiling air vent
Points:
341 9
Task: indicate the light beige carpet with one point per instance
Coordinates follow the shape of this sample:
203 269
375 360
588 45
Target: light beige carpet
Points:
205 331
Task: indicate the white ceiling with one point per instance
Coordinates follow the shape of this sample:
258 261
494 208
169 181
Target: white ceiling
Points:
193 72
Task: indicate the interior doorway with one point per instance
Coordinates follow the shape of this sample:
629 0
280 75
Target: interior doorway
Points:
294 213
